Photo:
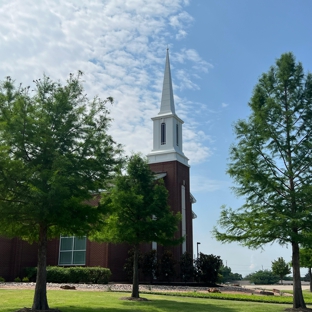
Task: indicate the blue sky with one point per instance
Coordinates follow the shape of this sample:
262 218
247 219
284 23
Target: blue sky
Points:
218 50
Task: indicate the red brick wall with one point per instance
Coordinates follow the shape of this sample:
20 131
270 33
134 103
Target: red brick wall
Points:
53 252
178 175
117 255
5 257
96 254
15 255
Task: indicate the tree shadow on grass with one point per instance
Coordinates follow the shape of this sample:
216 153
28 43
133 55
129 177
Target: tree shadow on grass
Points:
153 306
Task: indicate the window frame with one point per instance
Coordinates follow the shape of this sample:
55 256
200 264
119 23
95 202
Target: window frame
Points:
163 133
73 251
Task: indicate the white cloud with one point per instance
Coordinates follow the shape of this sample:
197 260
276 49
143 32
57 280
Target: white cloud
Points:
185 81
120 46
191 55
180 20
224 105
181 34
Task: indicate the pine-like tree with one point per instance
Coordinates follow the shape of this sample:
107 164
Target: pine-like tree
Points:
271 163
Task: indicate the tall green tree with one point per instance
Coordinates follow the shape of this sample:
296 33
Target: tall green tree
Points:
306 262
207 268
55 153
271 164
139 212
280 268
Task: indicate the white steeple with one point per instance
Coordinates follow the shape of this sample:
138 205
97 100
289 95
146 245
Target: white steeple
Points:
167 127
167 102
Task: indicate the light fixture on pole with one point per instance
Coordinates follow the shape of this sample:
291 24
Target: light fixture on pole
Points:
197 249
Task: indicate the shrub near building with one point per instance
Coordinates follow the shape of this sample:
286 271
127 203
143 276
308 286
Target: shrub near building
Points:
95 275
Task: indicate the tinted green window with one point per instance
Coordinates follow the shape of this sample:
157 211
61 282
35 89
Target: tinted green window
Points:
72 250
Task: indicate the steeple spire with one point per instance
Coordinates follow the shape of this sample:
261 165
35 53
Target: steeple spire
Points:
167 102
167 132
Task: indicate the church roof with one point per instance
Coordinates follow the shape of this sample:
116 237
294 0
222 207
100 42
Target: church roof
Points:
167 102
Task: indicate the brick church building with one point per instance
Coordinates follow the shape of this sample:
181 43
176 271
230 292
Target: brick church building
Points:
168 162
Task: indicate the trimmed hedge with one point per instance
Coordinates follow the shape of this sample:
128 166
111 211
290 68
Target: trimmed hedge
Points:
55 274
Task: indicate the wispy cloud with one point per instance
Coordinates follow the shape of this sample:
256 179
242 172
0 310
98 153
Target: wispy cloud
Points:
120 46
180 20
191 55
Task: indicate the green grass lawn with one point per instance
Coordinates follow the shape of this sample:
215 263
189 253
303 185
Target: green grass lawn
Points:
87 301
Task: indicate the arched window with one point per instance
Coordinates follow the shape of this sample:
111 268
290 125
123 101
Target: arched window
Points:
163 134
177 134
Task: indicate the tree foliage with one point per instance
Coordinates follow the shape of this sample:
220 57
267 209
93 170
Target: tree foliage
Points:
55 153
306 257
306 262
186 267
228 276
139 211
262 277
280 268
271 164
207 268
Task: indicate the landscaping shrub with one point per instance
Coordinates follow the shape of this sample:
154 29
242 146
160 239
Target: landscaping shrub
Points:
30 273
17 280
99 275
167 266
56 274
2 280
150 265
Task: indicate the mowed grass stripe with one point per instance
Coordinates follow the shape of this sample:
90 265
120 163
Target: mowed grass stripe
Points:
88 301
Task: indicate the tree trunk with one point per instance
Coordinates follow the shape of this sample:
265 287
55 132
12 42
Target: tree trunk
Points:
40 298
135 282
298 301
310 276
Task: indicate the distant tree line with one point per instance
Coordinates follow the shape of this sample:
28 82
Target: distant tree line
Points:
279 271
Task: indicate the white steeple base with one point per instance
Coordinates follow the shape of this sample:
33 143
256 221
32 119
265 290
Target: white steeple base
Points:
164 156
167 127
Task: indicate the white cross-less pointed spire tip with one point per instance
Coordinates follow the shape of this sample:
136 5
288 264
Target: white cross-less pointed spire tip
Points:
167 101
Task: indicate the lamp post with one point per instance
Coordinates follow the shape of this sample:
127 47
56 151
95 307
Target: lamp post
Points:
198 243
